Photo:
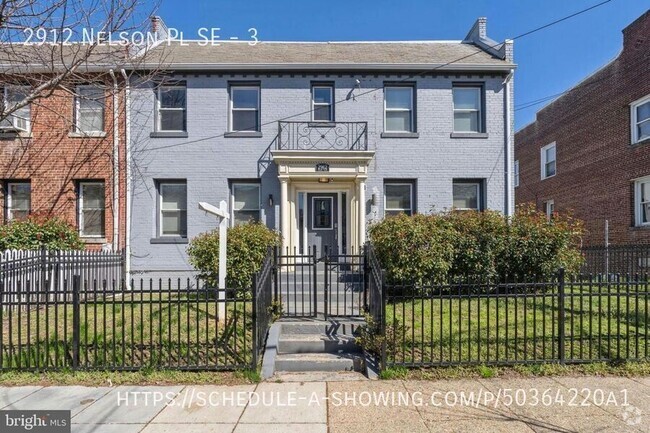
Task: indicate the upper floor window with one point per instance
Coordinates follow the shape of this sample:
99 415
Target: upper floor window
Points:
467 195
516 173
89 109
640 119
244 108
172 108
92 212
548 160
245 202
468 106
172 208
20 118
399 198
18 200
642 201
322 97
398 109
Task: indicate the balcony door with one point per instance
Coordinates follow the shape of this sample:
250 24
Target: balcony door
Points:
322 222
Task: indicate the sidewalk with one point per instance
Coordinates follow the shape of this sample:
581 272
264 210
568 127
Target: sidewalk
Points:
559 404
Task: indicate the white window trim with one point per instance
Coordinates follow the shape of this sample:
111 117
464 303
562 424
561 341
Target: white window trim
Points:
633 118
400 110
543 160
315 104
411 209
232 109
479 110
77 110
161 185
81 209
28 121
479 195
9 199
311 216
159 109
549 208
637 201
232 200
516 174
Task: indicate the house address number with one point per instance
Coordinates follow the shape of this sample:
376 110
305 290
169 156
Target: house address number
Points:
322 167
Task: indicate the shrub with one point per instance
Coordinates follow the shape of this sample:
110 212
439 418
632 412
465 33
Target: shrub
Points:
247 247
413 249
33 233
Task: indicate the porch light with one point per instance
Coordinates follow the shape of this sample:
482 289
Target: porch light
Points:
270 200
324 179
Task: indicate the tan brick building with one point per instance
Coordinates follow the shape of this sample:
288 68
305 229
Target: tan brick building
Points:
60 158
589 150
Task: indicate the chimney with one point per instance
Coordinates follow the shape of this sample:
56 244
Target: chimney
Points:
637 34
478 30
158 28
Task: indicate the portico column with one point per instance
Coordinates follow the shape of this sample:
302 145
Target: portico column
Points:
362 212
284 213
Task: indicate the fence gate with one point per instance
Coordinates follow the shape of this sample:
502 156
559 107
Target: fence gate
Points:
320 284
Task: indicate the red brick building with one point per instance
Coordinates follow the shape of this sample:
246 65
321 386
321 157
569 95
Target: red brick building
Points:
589 150
60 158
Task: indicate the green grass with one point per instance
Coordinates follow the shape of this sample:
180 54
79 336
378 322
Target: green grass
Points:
148 331
488 330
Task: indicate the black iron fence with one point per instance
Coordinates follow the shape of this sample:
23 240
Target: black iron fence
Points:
617 259
263 305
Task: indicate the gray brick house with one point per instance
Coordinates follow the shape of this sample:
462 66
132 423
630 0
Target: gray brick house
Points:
316 140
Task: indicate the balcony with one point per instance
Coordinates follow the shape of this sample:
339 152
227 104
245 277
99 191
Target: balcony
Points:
322 136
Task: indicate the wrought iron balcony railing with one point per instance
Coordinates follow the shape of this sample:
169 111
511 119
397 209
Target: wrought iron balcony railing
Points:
322 136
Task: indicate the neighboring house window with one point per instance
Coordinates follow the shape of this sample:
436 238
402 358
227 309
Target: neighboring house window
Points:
20 118
399 198
245 202
468 116
172 208
244 108
468 195
640 120
548 158
549 208
172 108
18 200
89 109
398 109
516 174
322 98
92 210
642 201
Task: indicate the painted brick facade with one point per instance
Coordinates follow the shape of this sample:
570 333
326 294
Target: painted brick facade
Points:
596 161
54 160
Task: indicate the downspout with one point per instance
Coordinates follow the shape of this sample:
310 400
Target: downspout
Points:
116 165
127 168
509 189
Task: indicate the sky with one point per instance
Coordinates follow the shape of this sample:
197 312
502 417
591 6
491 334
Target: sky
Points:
549 61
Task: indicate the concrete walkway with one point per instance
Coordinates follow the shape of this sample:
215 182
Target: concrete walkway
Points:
561 404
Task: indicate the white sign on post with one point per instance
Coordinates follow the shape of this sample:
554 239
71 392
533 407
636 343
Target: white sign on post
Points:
222 213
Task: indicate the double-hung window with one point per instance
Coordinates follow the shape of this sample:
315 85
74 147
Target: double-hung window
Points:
172 108
642 201
548 161
549 208
245 202
20 118
89 109
172 208
640 119
516 173
399 198
468 108
398 109
467 195
18 200
244 108
92 212
322 101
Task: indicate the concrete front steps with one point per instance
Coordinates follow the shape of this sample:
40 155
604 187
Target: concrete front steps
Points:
314 346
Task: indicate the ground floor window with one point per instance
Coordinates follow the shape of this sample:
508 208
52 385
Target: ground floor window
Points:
18 200
468 194
642 201
549 208
399 197
172 207
92 210
245 197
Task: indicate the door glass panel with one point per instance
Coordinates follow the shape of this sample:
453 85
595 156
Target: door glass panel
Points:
322 213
